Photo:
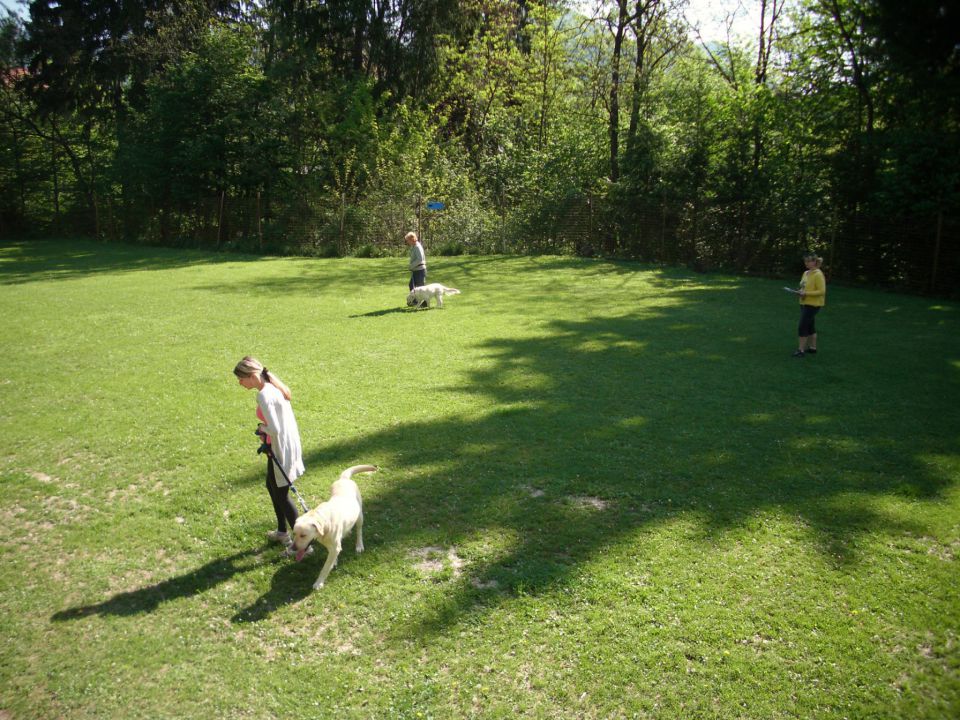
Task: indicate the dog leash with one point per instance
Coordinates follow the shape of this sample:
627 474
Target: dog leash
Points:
293 487
279 467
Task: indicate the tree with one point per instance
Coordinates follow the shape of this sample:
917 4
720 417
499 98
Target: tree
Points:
13 172
205 129
617 23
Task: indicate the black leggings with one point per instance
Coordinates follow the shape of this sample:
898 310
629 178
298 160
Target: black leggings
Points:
280 496
808 314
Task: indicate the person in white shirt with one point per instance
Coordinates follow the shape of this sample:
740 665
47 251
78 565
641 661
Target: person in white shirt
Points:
278 428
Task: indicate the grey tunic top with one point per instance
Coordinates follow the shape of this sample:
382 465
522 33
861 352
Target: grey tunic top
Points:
418 261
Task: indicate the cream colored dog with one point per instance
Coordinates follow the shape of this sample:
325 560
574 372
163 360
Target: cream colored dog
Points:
423 293
331 521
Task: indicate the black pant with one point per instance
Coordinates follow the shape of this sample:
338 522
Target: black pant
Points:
418 278
808 314
280 496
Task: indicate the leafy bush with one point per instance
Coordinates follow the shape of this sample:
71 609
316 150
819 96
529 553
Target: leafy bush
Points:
367 250
450 249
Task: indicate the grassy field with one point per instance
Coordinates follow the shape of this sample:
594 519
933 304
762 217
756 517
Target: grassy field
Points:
606 491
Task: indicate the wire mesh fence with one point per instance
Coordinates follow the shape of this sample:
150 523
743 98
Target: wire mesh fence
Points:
918 253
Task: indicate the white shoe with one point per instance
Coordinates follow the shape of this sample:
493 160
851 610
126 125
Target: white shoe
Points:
279 537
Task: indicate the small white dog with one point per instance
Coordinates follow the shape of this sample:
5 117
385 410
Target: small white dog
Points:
423 294
331 521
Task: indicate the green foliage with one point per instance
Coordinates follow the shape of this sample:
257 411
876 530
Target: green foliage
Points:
368 250
283 126
450 249
204 125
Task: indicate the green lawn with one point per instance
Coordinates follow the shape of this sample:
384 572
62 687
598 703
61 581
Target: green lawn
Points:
606 490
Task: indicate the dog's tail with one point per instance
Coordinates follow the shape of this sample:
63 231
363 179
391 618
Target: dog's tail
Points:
349 472
451 291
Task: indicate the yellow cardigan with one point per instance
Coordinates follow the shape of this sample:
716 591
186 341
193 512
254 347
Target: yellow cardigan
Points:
814 286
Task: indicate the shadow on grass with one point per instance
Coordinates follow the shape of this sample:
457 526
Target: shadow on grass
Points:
528 275
147 599
598 428
603 427
381 313
36 260
290 584
44 260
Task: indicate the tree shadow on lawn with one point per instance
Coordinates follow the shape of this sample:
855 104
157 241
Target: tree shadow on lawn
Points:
348 278
608 426
612 425
42 260
318 278
575 270
147 599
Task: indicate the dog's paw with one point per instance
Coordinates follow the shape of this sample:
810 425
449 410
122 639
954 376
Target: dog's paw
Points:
318 584
360 548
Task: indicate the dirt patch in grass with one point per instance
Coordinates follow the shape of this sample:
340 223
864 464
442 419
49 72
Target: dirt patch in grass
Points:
20 524
942 551
588 502
66 510
11 514
484 584
433 559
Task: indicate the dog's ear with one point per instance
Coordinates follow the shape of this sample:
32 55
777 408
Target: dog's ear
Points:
319 527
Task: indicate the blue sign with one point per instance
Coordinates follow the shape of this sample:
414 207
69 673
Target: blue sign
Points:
434 205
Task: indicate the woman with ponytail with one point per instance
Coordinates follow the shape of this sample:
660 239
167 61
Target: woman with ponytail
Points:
279 429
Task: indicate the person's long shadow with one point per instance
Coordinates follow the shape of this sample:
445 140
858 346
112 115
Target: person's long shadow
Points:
291 583
147 599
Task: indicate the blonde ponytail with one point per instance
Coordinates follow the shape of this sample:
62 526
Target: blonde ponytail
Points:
250 366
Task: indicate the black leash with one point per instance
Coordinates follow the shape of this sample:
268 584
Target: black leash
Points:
265 448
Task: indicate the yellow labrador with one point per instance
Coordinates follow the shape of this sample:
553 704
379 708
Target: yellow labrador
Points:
422 294
332 520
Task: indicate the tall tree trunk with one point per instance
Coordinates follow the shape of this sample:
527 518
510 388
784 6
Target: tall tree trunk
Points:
359 40
55 161
856 61
644 15
87 183
936 245
614 111
544 84
18 170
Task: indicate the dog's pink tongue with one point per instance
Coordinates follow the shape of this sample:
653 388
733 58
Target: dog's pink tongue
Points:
300 554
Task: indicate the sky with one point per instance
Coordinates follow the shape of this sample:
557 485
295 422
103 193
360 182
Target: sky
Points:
709 14
17 7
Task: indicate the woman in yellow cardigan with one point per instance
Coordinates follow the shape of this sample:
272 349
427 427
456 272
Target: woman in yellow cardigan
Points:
813 296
